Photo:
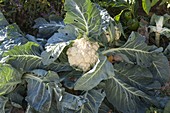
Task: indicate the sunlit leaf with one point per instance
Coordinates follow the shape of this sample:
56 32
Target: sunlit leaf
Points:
9 78
84 16
25 57
146 4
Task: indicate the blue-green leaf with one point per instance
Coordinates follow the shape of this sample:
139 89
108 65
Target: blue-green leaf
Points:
101 71
151 57
124 97
3 101
47 29
87 103
64 34
40 90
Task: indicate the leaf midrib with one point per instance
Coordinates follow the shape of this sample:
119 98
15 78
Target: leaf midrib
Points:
32 56
125 49
94 72
85 22
128 90
9 83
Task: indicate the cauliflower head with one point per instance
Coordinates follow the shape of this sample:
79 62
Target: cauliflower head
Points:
83 54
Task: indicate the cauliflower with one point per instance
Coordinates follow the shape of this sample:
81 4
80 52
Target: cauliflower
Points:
83 54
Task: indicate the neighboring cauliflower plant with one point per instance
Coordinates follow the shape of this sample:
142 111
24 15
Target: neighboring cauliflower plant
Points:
83 54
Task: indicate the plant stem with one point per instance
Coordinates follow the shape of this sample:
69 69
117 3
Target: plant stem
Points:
157 38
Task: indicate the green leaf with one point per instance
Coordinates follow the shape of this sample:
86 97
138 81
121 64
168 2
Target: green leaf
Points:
153 18
40 90
166 20
84 16
64 34
52 52
58 67
25 57
146 4
69 78
31 110
160 22
167 108
101 71
70 103
124 97
17 96
132 88
138 52
167 51
104 108
10 31
42 95
95 98
117 17
9 78
135 75
112 35
3 101
165 1
160 68
10 36
105 17
154 2
28 57
53 109
3 21
47 29
157 20
87 103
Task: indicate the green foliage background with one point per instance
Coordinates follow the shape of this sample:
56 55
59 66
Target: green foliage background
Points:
24 12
